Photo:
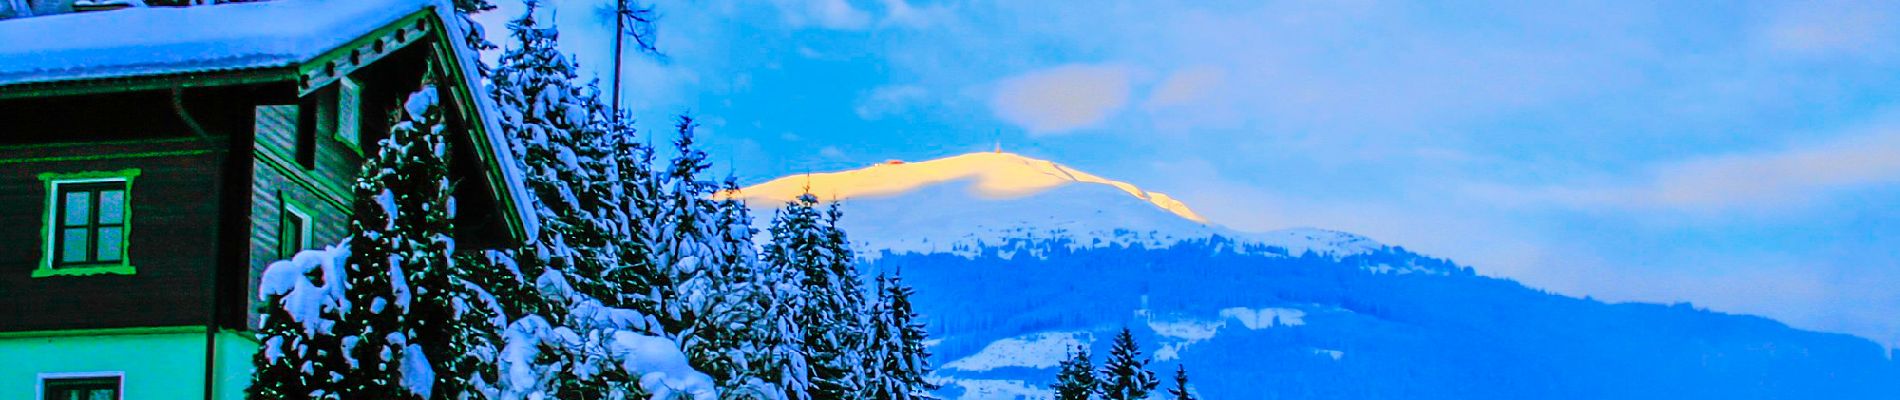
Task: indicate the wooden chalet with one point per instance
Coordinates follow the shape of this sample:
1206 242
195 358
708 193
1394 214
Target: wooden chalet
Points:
153 160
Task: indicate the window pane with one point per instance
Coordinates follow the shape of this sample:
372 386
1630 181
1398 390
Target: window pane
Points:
292 237
78 208
82 389
111 207
73 245
111 242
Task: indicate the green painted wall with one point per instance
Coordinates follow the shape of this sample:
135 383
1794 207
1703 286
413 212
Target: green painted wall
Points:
160 363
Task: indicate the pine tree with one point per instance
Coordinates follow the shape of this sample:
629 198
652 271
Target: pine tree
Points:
565 150
396 304
1180 389
704 257
782 362
896 363
298 352
879 359
451 321
830 304
728 326
1124 373
400 236
1075 377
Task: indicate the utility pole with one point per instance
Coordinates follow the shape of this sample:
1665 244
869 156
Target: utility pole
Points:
620 29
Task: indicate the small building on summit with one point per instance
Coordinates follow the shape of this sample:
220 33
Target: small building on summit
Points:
154 160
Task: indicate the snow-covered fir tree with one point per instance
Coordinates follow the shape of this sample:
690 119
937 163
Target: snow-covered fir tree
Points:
365 319
881 347
565 151
643 280
298 355
1180 390
781 362
451 321
731 345
1075 377
896 361
700 254
1125 374
831 306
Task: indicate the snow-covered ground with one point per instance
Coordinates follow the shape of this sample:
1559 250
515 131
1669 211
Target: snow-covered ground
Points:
1041 350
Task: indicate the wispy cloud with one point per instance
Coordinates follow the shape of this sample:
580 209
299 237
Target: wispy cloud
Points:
1186 85
1769 180
1062 99
889 100
1832 27
832 14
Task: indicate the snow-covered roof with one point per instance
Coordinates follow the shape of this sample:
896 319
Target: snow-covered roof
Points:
280 34
177 40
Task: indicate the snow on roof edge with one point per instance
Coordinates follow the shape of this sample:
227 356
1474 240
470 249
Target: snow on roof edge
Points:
135 43
466 60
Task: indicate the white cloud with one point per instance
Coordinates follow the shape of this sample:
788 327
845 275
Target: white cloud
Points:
1822 27
843 15
903 14
831 152
830 14
1186 85
1764 180
890 100
1062 99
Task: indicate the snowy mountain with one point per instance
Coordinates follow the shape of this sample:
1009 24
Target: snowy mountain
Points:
965 203
1301 313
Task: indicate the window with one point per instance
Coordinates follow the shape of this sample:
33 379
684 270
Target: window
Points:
88 223
348 118
81 388
293 230
316 119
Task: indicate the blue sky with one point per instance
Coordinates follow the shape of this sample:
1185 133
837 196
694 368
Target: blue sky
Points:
1743 156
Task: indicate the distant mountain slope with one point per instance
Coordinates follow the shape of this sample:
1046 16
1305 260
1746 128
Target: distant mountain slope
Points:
1017 261
1263 326
1002 200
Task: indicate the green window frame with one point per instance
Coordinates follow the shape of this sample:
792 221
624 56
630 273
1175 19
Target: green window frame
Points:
87 224
293 228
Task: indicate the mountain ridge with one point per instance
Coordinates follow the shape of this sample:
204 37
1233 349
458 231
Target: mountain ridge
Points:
1292 313
963 202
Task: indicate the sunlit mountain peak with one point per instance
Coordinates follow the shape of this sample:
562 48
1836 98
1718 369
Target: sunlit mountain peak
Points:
971 203
991 175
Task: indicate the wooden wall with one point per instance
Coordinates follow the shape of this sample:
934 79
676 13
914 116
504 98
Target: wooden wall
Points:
323 191
207 205
174 207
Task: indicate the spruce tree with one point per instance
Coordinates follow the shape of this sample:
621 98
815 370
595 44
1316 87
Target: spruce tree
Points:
298 352
830 305
1180 389
879 359
730 343
565 152
1075 377
453 322
783 359
1124 374
897 362
702 255
399 244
